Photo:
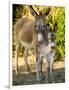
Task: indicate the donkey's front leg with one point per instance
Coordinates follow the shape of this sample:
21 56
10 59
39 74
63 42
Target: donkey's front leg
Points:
51 72
51 67
39 69
25 59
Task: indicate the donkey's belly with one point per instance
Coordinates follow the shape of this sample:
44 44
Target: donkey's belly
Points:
42 50
27 45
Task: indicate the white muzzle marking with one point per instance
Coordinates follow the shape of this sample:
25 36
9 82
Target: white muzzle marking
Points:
52 44
40 37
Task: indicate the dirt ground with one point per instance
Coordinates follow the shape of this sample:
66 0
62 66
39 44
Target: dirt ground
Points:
28 78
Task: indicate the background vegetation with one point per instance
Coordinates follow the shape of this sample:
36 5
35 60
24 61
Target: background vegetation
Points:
57 14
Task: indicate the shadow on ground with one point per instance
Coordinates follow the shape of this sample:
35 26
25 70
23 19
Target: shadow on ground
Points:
30 78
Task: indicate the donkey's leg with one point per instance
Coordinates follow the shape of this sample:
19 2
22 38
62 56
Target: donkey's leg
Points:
25 59
51 68
37 65
16 56
39 69
47 71
51 71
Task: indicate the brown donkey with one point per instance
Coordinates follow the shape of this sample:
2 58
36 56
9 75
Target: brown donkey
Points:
26 31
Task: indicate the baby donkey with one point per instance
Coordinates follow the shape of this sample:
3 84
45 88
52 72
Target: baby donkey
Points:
46 49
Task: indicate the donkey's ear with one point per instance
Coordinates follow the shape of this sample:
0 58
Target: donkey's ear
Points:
55 27
47 12
48 26
33 11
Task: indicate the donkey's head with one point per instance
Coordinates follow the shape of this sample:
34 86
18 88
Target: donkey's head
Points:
40 25
52 36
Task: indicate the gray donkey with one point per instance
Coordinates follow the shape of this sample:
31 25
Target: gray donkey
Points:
26 33
46 49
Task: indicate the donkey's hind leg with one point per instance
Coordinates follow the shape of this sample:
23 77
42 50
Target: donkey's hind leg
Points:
25 59
16 56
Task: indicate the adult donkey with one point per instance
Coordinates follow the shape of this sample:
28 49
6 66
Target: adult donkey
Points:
26 31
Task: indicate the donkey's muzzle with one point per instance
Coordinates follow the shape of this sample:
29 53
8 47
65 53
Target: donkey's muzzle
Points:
40 42
40 38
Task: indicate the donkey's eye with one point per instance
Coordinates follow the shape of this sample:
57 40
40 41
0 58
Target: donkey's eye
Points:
49 38
36 28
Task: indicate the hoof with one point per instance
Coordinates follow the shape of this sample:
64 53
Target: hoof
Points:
46 81
16 71
53 82
39 79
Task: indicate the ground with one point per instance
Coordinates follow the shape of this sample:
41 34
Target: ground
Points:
28 78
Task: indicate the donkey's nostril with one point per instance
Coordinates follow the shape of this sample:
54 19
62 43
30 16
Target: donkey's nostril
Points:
52 47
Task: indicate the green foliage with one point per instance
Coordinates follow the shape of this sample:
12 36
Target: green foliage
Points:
60 34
